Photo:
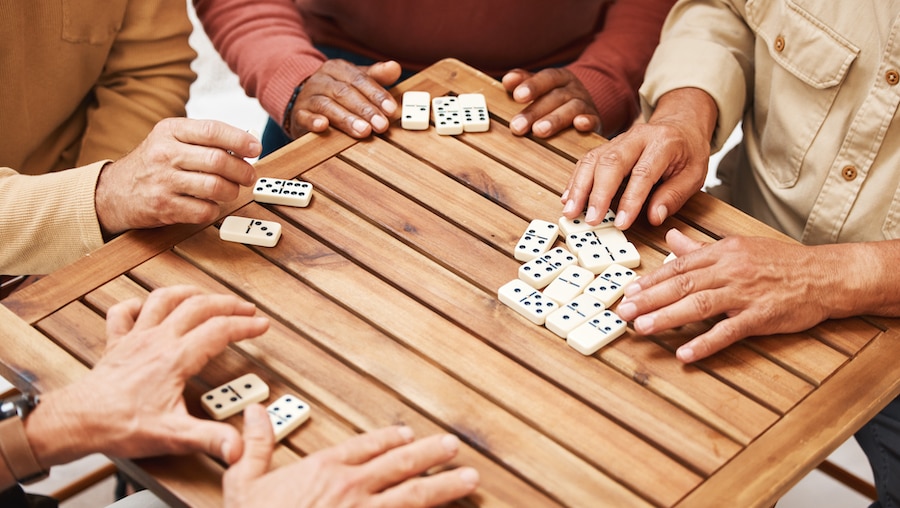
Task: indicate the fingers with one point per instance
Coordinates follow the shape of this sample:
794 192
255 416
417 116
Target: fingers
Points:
214 134
210 338
367 446
120 319
161 302
404 462
514 78
541 83
256 454
350 98
432 490
558 98
722 335
218 439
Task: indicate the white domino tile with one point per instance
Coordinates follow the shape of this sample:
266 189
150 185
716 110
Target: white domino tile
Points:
447 116
233 396
536 240
597 332
541 270
526 300
276 191
609 286
474 112
286 414
566 318
415 110
250 231
570 283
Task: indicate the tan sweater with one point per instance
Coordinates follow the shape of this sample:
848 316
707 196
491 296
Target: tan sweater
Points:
80 82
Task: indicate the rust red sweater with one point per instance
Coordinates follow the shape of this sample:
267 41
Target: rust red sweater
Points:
607 44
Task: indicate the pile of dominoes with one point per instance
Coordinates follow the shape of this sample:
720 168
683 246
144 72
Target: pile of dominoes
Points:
286 414
452 114
569 290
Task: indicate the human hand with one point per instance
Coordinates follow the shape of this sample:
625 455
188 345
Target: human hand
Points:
178 174
558 100
665 160
131 403
762 286
380 468
349 97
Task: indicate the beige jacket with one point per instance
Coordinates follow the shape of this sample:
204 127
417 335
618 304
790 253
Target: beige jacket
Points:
817 85
81 81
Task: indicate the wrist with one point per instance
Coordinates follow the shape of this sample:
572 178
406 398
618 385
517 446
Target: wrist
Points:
287 117
19 463
688 107
57 434
104 204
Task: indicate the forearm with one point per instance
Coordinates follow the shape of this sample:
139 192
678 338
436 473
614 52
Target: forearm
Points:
861 278
688 107
265 44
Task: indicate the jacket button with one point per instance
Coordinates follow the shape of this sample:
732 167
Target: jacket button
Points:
779 43
892 77
849 173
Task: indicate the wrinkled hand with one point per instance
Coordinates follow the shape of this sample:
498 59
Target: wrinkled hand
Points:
762 286
346 96
131 404
664 162
381 468
178 174
558 100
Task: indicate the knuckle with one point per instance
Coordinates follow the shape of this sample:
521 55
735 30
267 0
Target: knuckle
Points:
703 304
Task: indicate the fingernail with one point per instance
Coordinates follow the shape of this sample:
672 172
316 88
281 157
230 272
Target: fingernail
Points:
662 212
226 451
469 476
359 126
388 106
632 289
319 124
685 354
592 214
565 196
644 324
621 219
406 433
626 310
379 122
569 208
518 124
450 443
521 93
542 127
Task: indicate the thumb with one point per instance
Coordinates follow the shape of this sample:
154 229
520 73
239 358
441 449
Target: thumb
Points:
215 438
258 444
671 195
680 244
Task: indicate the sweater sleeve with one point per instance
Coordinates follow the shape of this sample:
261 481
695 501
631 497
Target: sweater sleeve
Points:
613 64
146 77
48 220
264 42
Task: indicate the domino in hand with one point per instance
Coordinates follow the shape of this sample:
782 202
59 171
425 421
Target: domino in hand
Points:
232 397
564 319
609 286
250 231
536 240
286 414
596 333
447 115
542 270
474 112
415 110
578 224
526 300
276 191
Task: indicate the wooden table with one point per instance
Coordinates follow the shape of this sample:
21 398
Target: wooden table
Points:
382 295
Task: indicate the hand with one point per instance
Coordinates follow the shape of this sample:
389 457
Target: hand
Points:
178 174
762 286
131 403
381 468
349 97
672 148
559 100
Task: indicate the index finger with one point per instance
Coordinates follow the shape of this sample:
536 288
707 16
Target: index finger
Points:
539 84
216 134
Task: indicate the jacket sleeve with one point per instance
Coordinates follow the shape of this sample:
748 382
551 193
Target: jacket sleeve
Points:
146 77
705 44
265 44
612 66
48 220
